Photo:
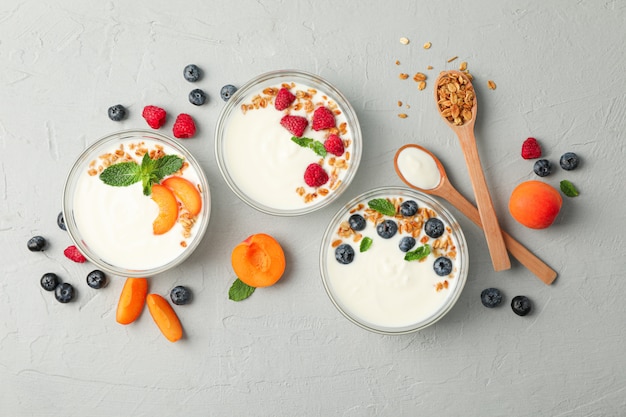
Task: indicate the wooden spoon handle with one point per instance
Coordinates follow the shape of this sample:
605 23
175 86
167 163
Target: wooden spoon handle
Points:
519 251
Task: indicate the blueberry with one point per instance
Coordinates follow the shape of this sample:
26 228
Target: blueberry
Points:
227 92
442 266
36 244
406 243
197 97
117 112
49 281
96 279
569 161
434 227
344 254
408 208
61 221
387 229
491 297
357 222
521 305
192 73
542 167
180 295
64 293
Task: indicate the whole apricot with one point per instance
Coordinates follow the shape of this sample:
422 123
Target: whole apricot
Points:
535 204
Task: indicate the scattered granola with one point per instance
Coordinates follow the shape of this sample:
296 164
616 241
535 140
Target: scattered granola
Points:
404 41
491 85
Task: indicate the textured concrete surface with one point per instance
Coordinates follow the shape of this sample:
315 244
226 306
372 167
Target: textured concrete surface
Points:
559 70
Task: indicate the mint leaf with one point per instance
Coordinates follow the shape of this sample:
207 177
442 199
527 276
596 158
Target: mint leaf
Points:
366 243
418 254
383 206
304 142
167 165
122 174
240 290
568 189
315 145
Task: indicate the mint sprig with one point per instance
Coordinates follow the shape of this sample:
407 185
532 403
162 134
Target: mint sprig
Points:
383 206
151 171
366 243
418 254
240 291
315 145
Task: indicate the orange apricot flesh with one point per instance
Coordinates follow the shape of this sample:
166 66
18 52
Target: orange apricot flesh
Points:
258 261
168 209
186 192
535 204
165 317
132 299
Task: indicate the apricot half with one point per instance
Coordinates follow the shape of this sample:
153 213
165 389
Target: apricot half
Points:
258 261
165 317
186 192
168 209
132 299
535 204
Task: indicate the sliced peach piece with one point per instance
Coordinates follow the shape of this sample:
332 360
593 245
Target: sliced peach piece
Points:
258 261
132 299
165 317
168 209
186 192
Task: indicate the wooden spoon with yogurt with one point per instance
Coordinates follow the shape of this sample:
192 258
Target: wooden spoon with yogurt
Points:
457 105
418 168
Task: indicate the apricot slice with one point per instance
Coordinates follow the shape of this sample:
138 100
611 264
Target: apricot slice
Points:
132 299
186 192
168 209
258 261
535 204
165 317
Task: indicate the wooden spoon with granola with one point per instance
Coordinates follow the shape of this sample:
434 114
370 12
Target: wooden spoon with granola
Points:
457 105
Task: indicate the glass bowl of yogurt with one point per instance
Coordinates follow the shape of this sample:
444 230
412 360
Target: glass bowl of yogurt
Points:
393 260
129 225
288 143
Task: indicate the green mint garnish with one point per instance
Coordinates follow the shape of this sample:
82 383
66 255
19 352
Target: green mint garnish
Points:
151 171
240 290
418 254
366 243
383 206
569 189
315 145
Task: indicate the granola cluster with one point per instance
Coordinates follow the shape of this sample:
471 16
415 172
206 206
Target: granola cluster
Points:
455 98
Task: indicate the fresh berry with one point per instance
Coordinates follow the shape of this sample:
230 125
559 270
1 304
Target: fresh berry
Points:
491 297
227 92
284 98
323 118
569 161
61 221
406 243
192 73
294 124
184 126
315 176
64 293
117 112
344 254
36 244
442 266
96 279
356 222
155 116
72 253
434 227
197 97
521 305
542 167
531 149
387 229
408 208
49 281
333 144
180 295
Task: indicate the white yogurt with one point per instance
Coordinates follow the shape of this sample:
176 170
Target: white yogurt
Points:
267 165
379 287
418 168
116 222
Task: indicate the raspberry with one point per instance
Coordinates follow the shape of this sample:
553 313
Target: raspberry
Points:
184 126
333 144
531 149
294 124
315 176
323 118
284 98
72 253
155 116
